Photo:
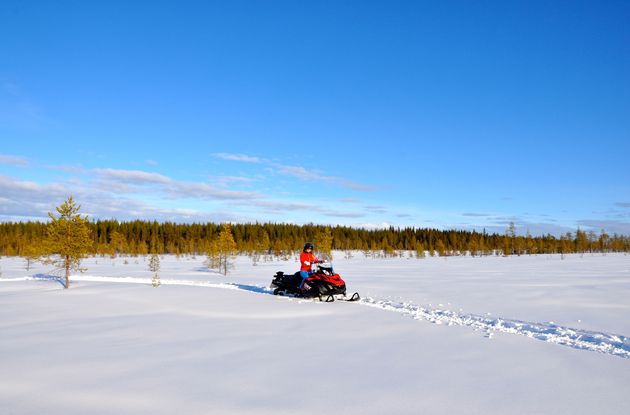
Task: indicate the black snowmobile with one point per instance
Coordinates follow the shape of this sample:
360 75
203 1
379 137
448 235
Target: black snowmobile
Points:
322 284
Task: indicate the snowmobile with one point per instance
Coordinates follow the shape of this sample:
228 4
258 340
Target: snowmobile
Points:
322 284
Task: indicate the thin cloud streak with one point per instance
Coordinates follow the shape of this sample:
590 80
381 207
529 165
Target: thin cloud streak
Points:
297 171
237 157
133 181
302 173
376 209
203 191
13 160
283 207
138 177
474 214
67 169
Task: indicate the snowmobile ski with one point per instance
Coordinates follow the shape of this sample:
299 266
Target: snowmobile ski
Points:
354 297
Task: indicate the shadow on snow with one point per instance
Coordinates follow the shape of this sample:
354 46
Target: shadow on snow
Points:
49 277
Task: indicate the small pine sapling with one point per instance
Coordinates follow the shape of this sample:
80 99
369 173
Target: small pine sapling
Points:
154 267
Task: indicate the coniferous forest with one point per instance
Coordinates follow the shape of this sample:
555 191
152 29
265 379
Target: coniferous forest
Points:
111 237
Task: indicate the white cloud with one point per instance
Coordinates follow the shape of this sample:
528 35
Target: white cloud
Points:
135 194
130 194
12 188
610 226
29 199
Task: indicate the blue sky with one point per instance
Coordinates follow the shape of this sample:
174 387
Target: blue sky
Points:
441 114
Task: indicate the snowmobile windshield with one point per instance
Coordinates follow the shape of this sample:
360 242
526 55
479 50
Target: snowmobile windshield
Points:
324 257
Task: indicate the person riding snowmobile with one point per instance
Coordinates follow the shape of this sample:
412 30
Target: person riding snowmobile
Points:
312 282
307 259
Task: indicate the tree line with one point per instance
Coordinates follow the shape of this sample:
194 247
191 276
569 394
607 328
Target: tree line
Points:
69 237
111 237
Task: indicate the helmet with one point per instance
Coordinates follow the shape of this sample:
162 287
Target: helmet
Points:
308 245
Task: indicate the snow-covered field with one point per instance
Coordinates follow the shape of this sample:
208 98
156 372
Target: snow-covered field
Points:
517 335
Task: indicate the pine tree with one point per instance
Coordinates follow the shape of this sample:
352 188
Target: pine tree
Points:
222 250
323 241
116 243
420 250
440 247
68 239
261 246
473 246
506 245
212 255
604 242
592 239
511 238
32 253
581 241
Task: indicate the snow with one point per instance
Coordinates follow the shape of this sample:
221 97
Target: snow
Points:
457 335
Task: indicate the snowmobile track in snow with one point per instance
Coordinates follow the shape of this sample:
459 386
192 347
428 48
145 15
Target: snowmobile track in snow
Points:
611 344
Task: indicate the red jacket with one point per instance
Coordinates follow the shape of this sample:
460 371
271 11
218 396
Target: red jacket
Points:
306 259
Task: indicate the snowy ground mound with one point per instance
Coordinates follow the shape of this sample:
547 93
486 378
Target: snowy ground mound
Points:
205 343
